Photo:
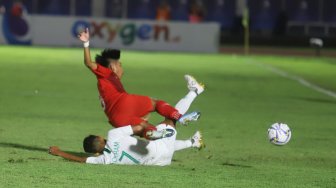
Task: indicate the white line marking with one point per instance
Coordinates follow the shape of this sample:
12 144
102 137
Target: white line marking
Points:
298 79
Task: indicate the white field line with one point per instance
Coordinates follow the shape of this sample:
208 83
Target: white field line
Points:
298 79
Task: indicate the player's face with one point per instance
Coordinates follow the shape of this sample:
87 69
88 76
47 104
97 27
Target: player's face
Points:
102 142
116 67
119 70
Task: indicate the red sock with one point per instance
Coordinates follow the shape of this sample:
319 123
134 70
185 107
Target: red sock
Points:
149 128
167 111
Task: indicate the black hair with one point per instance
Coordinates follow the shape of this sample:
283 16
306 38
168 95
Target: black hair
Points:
104 56
90 144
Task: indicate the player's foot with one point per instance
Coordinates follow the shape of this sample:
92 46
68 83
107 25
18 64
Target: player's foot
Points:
196 140
154 134
186 118
193 85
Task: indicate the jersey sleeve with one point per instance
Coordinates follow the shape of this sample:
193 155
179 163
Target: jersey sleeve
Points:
96 160
102 71
120 132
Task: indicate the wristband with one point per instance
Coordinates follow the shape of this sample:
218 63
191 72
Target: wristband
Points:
86 44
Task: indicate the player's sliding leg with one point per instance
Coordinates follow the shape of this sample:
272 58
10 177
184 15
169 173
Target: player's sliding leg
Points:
195 141
164 109
182 106
170 112
195 88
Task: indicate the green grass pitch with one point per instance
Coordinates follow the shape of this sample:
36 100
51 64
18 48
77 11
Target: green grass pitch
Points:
48 97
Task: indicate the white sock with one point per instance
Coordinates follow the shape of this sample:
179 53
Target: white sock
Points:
183 105
182 144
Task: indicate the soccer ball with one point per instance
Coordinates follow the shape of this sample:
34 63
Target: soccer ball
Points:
279 134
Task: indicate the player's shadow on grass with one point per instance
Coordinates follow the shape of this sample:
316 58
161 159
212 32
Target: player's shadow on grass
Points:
35 148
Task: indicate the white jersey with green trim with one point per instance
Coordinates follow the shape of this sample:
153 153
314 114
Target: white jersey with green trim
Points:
122 148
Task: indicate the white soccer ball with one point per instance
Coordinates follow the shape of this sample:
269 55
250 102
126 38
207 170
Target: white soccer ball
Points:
279 134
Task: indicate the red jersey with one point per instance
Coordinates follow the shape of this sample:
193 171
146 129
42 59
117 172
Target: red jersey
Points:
121 108
110 88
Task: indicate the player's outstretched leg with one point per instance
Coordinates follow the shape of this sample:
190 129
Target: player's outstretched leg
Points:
183 105
172 113
195 88
195 141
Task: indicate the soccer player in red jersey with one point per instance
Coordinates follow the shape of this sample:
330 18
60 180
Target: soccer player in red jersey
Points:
122 108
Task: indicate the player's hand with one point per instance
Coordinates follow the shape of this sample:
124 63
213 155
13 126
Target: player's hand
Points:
54 150
84 36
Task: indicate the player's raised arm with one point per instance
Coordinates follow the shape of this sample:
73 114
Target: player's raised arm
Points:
54 150
85 37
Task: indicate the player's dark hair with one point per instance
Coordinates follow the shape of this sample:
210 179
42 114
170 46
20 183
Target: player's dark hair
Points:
104 56
91 144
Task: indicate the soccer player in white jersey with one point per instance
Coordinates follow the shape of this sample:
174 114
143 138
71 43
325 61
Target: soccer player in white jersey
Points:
122 148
